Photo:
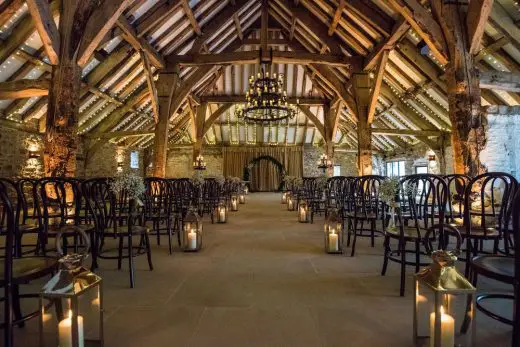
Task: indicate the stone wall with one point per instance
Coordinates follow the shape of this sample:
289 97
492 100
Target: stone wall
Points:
15 160
415 156
502 151
108 161
180 161
311 155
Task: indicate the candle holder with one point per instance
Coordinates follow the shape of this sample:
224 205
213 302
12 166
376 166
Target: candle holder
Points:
242 197
222 212
304 212
324 163
283 199
333 233
291 204
444 305
191 233
246 189
234 203
199 164
77 294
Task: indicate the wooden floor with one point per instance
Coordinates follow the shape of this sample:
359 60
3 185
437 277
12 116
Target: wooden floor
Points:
262 280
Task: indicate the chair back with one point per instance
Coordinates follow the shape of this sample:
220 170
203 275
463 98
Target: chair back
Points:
487 201
158 198
457 184
366 196
8 212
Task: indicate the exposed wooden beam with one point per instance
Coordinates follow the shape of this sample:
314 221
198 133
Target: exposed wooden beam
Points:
99 24
6 123
114 134
8 9
235 99
264 30
151 84
407 132
399 30
46 27
476 19
24 88
500 80
191 17
337 16
312 117
376 87
140 43
238 26
425 25
214 116
156 15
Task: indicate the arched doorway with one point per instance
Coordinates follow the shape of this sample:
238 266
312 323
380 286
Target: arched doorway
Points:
265 174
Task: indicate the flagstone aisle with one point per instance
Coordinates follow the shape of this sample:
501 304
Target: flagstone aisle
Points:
262 280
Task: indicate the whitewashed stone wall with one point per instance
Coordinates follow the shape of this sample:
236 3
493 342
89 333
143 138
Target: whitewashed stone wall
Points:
502 151
180 161
311 155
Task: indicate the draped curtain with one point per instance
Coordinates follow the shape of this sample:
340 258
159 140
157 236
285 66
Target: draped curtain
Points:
264 175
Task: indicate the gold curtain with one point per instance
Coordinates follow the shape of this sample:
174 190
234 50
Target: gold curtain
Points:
265 175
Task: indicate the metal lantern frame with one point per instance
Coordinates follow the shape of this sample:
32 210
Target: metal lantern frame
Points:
283 197
191 224
291 204
75 285
304 212
242 197
333 226
222 212
234 203
446 284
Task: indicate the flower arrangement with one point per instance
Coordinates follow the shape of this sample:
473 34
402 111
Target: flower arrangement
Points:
298 182
129 183
220 179
196 180
289 179
389 189
321 182
235 180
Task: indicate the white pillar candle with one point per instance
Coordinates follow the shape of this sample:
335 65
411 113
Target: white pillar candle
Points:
447 329
192 239
303 215
333 241
290 204
222 215
65 332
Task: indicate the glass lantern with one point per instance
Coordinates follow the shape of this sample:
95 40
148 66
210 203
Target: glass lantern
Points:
234 203
283 200
333 233
77 294
191 236
444 305
246 189
222 211
242 197
291 204
304 212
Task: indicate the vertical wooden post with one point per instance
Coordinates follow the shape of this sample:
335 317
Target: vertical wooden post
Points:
328 114
467 119
200 120
61 140
361 84
166 87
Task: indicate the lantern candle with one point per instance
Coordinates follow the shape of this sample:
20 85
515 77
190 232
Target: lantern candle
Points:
222 214
242 198
447 329
290 204
192 239
234 203
65 332
333 241
284 198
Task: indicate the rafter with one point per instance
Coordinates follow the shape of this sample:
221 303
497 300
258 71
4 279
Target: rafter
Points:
476 19
399 30
151 84
24 88
376 87
191 16
407 132
46 27
337 16
312 117
233 99
500 80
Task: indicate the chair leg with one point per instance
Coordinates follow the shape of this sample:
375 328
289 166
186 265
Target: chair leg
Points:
131 261
417 255
8 316
516 318
156 229
354 239
149 250
402 250
372 228
349 231
169 229
120 254
17 309
468 257
387 253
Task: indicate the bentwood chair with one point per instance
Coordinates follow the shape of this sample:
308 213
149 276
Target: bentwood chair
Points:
424 197
17 270
457 184
158 210
116 217
487 203
365 208
505 269
30 221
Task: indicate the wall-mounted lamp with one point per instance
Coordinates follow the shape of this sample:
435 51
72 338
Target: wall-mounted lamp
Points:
431 157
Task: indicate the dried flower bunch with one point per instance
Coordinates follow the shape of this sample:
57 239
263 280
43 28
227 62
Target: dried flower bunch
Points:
321 182
197 180
129 183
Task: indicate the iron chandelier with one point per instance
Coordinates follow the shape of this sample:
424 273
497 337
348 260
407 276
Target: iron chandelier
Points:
266 101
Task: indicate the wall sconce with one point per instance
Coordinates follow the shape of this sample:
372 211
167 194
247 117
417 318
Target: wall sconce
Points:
431 157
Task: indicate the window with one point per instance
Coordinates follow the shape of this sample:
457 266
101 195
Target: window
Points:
134 160
395 168
421 169
337 170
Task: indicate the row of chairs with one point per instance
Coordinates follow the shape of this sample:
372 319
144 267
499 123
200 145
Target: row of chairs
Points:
49 207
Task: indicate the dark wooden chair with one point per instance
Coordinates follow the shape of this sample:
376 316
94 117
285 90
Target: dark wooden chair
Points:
158 210
365 207
116 216
17 270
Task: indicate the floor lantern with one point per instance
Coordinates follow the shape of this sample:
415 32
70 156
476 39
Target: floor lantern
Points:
284 197
77 293
290 202
242 197
191 236
444 304
333 233
304 212
234 203
222 211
